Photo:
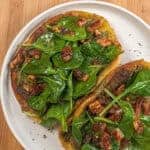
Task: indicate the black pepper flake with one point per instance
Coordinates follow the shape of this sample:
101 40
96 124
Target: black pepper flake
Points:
139 44
33 139
44 136
130 34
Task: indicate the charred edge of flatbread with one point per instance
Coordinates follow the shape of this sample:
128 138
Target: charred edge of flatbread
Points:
116 75
33 36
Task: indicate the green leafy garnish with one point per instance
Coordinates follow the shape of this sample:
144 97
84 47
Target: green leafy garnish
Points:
126 123
59 112
84 87
48 43
73 31
40 66
103 54
88 147
75 61
77 124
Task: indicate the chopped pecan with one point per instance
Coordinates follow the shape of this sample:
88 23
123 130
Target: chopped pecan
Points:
31 77
95 25
66 53
117 134
97 32
120 89
38 33
18 60
104 42
81 22
105 141
79 75
35 53
146 107
95 107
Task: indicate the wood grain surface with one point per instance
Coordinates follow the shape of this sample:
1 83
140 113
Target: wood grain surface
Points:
14 14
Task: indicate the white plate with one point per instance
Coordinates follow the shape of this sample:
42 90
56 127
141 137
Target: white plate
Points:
132 32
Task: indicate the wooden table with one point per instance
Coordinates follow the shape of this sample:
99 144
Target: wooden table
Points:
14 14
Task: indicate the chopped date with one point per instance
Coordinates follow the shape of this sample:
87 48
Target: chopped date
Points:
79 75
66 54
105 141
95 107
117 134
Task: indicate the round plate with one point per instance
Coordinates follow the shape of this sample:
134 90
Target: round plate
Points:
132 33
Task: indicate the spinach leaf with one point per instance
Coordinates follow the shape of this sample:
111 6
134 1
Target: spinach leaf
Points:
115 144
83 87
75 62
56 86
59 112
126 123
48 43
141 84
77 124
39 102
73 31
40 66
140 141
69 90
103 54
49 123
146 120
88 147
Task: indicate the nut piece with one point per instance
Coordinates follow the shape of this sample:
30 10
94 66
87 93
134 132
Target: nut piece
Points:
18 60
79 75
95 107
81 22
104 42
95 25
66 53
35 53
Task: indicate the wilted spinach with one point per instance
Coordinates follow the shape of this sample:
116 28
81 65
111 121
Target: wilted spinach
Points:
77 124
75 62
39 102
88 147
103 54
40 66
126 123
69 91
83 87
59 112
48 43
56 86
72 31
